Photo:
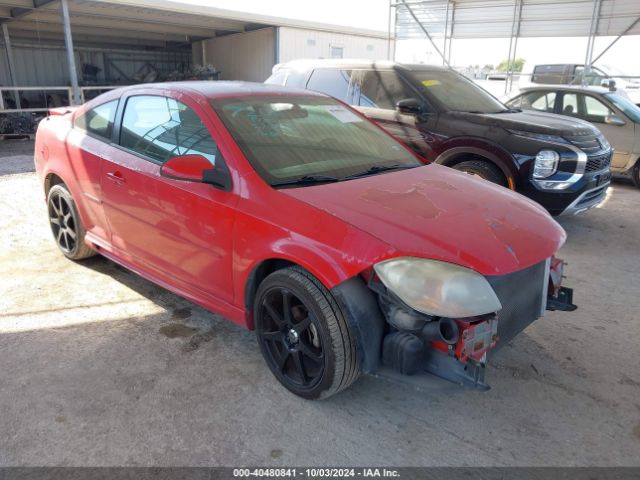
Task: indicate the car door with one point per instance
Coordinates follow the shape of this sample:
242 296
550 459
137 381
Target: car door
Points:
178 231
376 93
595 111
87 141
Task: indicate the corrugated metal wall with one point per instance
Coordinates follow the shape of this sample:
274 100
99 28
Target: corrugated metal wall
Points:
246 56
47 66
298 43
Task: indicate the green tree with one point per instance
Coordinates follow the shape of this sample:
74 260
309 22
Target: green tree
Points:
517 65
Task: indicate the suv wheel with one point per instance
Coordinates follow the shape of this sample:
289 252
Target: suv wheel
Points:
482 169
303 335
635 174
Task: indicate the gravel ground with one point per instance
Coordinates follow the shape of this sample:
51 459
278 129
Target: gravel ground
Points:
101 367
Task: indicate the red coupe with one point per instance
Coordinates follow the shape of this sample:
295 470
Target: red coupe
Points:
290 213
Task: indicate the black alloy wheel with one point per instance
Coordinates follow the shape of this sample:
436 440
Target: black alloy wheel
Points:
66 225
303 335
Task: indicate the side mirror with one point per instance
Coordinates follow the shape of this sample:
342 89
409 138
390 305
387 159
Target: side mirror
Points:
609 83
195 168
614 120
410 106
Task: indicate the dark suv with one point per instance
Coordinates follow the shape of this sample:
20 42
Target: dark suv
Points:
559 162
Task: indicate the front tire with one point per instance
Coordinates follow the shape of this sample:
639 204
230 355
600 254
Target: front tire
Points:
487 171
66 226
303 335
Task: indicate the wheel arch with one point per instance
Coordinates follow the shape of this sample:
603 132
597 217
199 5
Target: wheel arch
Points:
358 303
453 156
258 273
50 180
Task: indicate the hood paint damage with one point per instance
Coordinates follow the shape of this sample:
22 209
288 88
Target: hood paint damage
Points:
436 212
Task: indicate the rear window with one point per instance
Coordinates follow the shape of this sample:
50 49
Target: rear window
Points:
332 82
99 120
278 78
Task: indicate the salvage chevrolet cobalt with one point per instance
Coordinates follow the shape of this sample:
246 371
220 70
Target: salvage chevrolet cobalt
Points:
292 215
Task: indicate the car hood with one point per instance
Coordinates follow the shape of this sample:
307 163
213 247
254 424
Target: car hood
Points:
529 121
439 213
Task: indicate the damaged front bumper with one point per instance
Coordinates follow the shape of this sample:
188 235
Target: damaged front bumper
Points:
416 346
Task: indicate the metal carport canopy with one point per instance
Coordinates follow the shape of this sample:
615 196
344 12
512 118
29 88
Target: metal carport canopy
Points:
150 22
538 18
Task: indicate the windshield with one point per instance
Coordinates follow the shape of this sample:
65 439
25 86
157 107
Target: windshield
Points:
454 92
629 108
306 138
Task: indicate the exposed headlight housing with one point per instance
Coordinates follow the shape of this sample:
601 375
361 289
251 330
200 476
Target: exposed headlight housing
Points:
545 164
438 288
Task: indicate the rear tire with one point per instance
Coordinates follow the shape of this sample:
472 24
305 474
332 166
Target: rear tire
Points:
303 335
482 169
635 174
66 226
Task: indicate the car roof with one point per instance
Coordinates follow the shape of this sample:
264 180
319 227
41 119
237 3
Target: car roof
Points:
569 88
215 89
307 64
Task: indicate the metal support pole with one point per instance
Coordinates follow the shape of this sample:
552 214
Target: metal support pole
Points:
71 60
513 43
446 29
595 18
415 19
12 67
452 24
389 31
613 42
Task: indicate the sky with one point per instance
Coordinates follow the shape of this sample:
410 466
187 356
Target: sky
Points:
374 15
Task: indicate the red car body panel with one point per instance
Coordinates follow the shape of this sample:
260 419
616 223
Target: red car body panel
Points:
204 243
451 215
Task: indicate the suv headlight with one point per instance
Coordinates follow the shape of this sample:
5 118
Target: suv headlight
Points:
438 288
545 164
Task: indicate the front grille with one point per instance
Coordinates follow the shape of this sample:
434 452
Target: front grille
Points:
589 144
598 162
521 296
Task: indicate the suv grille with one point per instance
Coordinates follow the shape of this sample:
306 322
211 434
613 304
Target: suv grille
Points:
598 162
589 144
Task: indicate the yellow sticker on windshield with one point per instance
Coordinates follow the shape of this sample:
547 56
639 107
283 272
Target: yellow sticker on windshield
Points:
430 83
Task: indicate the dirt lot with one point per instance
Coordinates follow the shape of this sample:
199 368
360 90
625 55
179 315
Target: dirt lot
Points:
100 367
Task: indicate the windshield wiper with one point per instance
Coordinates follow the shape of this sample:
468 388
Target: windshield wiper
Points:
377 169
306 180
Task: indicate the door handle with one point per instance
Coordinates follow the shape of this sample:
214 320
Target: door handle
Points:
116 177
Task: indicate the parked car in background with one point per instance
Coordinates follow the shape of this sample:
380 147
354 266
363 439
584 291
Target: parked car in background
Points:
573 74
289 213
612 113
449 120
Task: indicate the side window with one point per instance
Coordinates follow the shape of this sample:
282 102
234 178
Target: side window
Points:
570 105
331 82
541 101
595 110
161 128
382 89
99 120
